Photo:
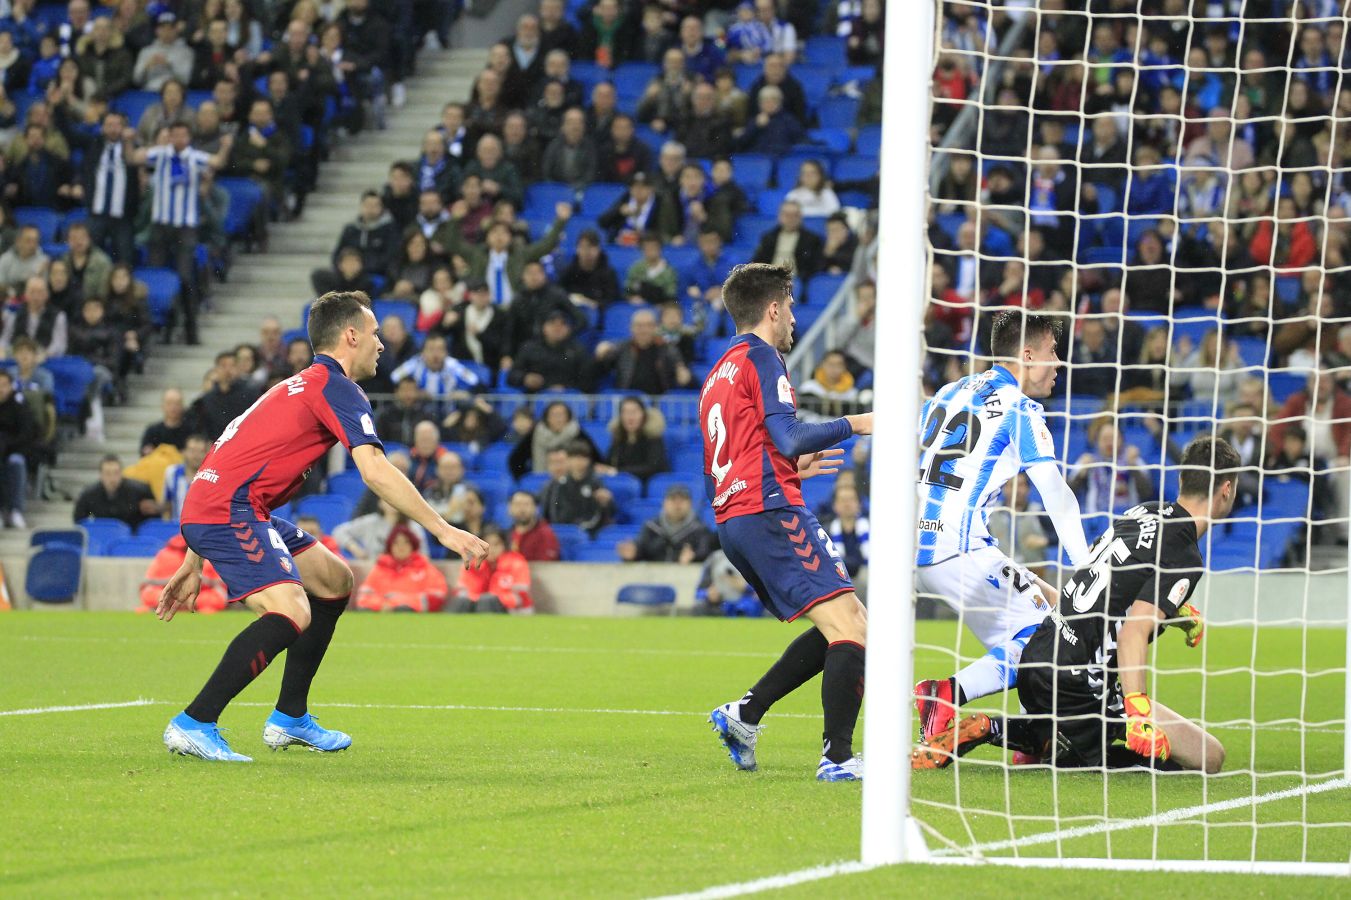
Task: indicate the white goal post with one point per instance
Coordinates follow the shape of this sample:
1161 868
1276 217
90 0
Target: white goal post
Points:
1283 610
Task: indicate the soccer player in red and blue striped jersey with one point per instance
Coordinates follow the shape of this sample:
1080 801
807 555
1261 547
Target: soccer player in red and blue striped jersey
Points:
296 585
756 453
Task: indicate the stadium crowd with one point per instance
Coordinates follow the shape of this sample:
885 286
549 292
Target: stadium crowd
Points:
564 229
1170 182
141 141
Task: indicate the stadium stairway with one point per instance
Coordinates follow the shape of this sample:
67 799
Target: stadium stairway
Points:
273 283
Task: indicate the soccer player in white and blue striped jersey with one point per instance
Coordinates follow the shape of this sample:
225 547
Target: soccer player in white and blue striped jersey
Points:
976 434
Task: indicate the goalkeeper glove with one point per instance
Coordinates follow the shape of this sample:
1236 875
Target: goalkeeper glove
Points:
1142 735
1192 625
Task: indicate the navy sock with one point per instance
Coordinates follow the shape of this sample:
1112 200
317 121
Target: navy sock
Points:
841 697
800 663
245 659
305 655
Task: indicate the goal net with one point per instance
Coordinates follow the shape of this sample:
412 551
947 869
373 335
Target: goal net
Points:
1169 179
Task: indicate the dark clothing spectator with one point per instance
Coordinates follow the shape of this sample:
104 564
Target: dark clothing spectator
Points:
794 98
623 222
530 308
707 136
163 433
128 502
112 192
615 163
662 540
654 369
507 177
642 457
263 155
377 241
109 69
612 44
573 164
565 365
574 501
599 284
807 255
218 407
396 421
388 361
492 333
36 180
775 137
100 343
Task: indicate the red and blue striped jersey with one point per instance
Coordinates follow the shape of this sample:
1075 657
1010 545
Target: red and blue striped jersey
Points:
752 436
261 458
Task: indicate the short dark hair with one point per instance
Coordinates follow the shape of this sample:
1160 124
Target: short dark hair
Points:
196 436
751 287
1013 328
110 458
333 312
225 354
1207 462
589 236
532 497
579 448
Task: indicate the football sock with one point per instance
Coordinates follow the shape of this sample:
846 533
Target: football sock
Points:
996 671
800 663
841 696
305 655
244 660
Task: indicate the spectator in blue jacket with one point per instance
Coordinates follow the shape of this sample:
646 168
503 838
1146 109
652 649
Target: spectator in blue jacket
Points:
1153 188
773 131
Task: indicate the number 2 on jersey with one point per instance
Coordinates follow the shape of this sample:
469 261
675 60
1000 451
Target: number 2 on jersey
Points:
963 431
717 433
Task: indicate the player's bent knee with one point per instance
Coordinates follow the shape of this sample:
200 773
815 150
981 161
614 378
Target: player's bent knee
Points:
842 618
285 599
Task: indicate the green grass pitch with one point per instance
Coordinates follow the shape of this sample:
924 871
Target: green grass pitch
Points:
556 798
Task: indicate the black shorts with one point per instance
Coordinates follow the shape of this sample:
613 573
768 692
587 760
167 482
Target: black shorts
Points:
1074 723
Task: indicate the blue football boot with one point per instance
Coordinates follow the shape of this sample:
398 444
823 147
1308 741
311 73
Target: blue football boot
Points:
281 731
186 736
737 736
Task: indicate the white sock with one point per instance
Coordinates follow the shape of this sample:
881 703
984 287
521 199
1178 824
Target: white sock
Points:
997 670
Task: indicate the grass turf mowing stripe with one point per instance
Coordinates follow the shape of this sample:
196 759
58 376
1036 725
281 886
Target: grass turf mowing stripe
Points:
43 710
1167 817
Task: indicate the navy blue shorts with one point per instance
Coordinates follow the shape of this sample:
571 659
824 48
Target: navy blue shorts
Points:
250 555
787 557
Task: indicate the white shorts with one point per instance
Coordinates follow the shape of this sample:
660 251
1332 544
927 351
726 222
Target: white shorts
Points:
992 595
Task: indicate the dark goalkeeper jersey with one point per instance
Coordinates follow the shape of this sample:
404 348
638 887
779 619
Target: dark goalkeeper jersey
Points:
1150 553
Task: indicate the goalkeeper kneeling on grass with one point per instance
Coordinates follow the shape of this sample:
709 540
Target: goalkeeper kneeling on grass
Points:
1083 677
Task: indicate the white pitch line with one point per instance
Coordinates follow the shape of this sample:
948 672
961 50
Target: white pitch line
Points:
43 710
773 882
1164 818
816 873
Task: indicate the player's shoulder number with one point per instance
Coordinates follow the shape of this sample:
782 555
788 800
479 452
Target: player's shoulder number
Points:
294 385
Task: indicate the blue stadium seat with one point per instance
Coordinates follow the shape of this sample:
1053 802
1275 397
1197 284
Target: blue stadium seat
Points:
53 575
637 512
400 308
100 532
657 485
600 196
1281 384
347 484
624 486
541 197
158 530
133 104
824 50
860 74
621 258
1285 498
822 287
617 533
750 228
834 140
681 258
71 376
817 494
617 316
589 74
752 171
58 537
856 168
650 136
816 82
163 286
245 196
768 200
869 142
46 221
806 316
687 458
746 75
837 112
647 595
133 546
492 458
331 510
596 552
495 487
533 482
1252 350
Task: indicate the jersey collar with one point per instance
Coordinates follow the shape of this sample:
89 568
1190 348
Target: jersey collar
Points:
323 359
1002 375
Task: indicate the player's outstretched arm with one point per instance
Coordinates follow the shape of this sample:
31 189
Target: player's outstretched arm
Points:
1143 734
394 487
180 592
1063 508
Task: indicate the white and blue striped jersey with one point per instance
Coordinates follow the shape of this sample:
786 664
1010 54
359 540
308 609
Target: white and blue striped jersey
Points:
975 434
176 179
